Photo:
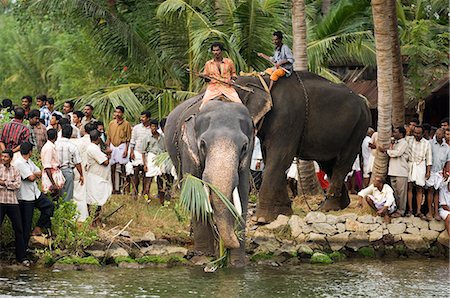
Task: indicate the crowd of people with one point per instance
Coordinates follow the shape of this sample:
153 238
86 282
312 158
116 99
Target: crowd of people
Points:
418 172
81 162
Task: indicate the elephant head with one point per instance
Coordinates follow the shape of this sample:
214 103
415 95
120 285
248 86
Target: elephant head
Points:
219 143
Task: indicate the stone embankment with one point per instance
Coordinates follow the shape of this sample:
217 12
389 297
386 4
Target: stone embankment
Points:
348 235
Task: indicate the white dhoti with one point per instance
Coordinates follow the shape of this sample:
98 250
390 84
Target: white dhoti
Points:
79 197
117 154
435 180
417 173
292 172
152 169
98 189
137 161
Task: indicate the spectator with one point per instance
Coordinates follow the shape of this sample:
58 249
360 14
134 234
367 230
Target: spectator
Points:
46 115
7 105
366 152
54 122
27 100
98 175
38 132
138 134
426 131
88 118
440 152
152 146
15 132
257 164
444 123
398 170
77 118
30 196
101 129
9 205
68 110
51 107
380 197
410 129
118 140
447 137
420 160
52 178
167 169
69 158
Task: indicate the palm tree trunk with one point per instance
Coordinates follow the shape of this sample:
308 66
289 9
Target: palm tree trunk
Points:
308 183
326 7
398 95
383 43
299 35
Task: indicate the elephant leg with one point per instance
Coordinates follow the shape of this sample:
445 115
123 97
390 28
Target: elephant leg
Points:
337 196
204 239
273 196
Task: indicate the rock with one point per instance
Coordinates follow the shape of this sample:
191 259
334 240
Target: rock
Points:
307 229
412 230
337 242
357 240
315 217
398 220
340 227
118 251
99 254
287 249
337 256
396 229
332 219
316 238
200 260
355 226
323 228
125 234
438 226
429 235
320 258
374 227
163 250
374 236
368 219
149 236
305 250
419 223
414 242
443 238
378 219
294 223
344 217
301 238
282 220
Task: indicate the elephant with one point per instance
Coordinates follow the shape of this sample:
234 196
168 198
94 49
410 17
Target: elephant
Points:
214 144
308 117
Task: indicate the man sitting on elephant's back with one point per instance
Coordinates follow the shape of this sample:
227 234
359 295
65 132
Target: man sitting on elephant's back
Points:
220 72
282 59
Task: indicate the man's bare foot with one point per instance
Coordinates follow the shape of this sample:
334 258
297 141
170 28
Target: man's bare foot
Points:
396 214
387 219
36 232
437 217
429 216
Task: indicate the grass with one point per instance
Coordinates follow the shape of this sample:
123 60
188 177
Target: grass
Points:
78 261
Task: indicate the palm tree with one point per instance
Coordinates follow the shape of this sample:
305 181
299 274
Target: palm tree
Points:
383 42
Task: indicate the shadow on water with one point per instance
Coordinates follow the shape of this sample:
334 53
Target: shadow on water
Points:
386 278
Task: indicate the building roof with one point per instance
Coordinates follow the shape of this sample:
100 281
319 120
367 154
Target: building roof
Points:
367 88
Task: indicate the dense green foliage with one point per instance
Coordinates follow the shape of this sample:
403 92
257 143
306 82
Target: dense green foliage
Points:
136 52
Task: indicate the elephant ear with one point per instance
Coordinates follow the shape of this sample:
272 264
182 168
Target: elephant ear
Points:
188 136
258 102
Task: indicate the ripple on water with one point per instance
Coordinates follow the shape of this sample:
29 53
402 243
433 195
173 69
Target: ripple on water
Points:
411 278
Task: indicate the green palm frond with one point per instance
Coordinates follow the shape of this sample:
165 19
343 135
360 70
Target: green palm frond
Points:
195 200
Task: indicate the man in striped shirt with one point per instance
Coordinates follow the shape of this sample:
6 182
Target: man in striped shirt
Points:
420 160
15 132
46 115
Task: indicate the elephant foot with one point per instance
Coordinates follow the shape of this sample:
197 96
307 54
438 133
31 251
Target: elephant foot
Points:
335 203
267 215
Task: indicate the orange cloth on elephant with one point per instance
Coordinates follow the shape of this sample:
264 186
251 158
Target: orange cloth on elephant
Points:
275 74
224 73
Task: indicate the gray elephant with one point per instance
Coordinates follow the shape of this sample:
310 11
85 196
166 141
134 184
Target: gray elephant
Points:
311 118
214 144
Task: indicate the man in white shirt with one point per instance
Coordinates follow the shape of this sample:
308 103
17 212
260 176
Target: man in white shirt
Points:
380 197
366 152
30 196
398 168
420 160
257 164
440 152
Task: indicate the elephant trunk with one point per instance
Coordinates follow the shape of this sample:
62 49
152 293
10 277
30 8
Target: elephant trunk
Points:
221 170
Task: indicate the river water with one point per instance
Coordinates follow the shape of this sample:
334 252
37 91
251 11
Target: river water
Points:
356 278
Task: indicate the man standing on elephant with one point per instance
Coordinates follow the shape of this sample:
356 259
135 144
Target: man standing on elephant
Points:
282 59
220 72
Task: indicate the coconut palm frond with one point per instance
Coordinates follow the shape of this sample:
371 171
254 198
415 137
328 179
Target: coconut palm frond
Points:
161 159
195 199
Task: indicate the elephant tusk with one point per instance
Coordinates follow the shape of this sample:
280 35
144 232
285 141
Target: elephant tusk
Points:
237 201
208 201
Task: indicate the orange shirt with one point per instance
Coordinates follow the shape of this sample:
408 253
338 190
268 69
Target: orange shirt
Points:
119 132
223 71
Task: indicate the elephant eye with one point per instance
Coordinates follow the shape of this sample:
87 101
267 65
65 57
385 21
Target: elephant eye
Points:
203 147
244 150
